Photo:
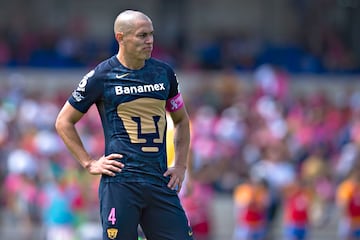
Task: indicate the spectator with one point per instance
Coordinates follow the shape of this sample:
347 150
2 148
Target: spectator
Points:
298 201
251 201
348 195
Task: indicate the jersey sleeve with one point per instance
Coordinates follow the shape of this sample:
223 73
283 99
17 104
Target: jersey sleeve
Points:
174 84
175 100
87 92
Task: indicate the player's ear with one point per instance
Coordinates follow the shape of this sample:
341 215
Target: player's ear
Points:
119 36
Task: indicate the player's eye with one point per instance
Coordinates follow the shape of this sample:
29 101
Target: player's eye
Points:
145 35
142 35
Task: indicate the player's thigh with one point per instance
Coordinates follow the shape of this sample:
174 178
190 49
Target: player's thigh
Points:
164 217
120 205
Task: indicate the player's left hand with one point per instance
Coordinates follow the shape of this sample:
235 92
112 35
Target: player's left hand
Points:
177 175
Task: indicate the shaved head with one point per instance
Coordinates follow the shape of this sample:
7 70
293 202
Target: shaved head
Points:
134 33
126 20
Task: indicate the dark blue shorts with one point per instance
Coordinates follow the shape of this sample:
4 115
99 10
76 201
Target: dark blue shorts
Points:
156 208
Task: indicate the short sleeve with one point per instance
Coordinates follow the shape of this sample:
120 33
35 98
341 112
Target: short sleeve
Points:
87 92
174 84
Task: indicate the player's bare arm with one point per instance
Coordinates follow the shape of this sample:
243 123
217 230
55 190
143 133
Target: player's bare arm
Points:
181 143
65 126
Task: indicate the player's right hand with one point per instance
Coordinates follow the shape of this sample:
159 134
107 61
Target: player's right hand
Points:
108 165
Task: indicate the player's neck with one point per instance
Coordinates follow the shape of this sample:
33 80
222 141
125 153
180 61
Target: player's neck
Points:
130 63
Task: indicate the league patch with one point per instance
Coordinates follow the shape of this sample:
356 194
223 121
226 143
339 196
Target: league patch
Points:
83 81
112 233
175 103
78 97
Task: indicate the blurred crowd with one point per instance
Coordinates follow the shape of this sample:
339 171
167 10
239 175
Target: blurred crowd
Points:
278 154
43 190
322 40
282 156
263 136
242 51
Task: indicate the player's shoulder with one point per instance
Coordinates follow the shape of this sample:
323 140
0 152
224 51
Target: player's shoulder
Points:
105 67
102 69
160 63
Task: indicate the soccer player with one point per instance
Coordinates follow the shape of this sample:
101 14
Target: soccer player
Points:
133 92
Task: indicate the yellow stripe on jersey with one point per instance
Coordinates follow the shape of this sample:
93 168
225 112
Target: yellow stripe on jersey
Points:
170 148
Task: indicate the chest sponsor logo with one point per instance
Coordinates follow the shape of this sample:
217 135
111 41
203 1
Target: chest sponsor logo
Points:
121 90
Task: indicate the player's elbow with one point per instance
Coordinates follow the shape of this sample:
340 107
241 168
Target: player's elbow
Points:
67 117
59 123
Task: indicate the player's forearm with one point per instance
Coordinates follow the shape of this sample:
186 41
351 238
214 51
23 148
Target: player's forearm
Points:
181 143
71 138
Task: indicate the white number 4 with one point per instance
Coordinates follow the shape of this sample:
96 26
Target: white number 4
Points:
112 216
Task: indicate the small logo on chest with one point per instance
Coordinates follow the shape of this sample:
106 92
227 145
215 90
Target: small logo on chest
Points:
121 76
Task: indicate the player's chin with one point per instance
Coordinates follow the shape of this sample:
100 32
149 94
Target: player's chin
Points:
147 56
147 52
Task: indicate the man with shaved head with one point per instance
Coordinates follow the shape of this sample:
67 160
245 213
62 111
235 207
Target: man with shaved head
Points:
133 94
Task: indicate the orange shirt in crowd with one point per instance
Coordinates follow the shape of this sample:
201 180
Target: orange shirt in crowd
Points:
251 201
348 199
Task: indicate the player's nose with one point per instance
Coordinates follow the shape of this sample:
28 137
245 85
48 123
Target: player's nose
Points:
150 39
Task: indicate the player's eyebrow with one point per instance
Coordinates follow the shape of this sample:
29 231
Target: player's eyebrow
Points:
145 33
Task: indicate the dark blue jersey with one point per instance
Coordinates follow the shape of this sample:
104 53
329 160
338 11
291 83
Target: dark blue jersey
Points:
131 104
